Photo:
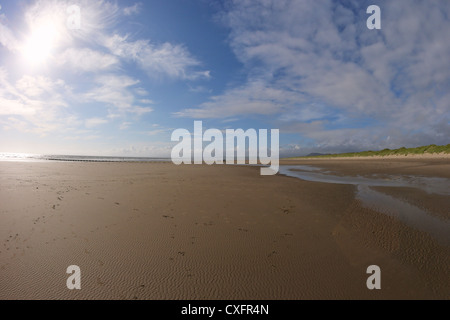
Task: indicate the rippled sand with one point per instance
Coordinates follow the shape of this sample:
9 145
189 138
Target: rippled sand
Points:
160 231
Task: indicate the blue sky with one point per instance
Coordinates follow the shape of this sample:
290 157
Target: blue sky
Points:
136 71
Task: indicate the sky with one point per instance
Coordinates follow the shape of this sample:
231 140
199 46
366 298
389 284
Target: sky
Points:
130 73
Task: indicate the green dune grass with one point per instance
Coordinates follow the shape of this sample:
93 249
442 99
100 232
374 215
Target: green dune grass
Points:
430 149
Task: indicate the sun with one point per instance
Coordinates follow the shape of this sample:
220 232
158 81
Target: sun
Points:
40 44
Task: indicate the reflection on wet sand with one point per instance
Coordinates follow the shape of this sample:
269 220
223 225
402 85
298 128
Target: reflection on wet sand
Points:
399 209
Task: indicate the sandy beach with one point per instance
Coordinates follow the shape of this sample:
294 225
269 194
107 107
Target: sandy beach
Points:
160 231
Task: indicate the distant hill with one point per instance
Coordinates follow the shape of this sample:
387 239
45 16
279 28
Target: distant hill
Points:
430 149
315 154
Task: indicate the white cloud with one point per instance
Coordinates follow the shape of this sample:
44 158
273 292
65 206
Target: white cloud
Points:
146 101
14 107
35 100
117 91
313 68
254 98
98 17
141 91
141 110
38 100
173 61
38 86
155 149
155 132
37 105
87 60
47 104
157 129
94 122
82 138
113 90
320 54
7 38
16 124
134 9
125 125
199 89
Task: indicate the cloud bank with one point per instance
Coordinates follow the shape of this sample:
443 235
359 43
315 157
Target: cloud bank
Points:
316 69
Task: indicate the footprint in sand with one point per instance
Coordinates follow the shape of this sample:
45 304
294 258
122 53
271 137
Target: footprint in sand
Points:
271 254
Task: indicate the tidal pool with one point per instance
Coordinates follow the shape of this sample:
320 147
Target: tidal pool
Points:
401 210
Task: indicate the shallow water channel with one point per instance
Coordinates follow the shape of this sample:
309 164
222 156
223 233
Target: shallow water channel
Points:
401 210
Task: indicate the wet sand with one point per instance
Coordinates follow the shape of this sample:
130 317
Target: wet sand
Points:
160 231
427 165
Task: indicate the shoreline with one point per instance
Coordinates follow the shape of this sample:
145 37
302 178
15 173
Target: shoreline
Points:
160 231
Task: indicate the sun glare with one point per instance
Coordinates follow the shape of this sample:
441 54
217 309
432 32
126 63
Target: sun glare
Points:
38 47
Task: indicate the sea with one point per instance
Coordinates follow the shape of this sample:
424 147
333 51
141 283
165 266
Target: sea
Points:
28 157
